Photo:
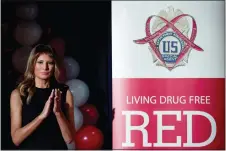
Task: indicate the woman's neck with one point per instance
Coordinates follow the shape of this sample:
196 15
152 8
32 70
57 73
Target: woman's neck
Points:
39 83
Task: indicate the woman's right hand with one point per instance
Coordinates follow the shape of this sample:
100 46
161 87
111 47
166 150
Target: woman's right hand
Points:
47 109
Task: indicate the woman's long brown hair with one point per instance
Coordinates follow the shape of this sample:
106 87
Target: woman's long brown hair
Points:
27 86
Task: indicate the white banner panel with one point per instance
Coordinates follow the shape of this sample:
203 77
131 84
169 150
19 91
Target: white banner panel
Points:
168 75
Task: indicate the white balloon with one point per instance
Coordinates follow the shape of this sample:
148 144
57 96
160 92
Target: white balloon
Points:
71 146
72 68
27 11
27 33
78 118
79 90
20 57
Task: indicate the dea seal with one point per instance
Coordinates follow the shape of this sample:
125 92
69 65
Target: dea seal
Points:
169 39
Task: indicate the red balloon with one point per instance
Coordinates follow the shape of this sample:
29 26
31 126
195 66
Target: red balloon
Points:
89 137
90 114
59 45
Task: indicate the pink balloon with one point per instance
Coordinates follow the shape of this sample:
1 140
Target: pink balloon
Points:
59 45
27 33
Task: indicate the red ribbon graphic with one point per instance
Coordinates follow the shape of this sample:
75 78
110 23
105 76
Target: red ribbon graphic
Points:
150 37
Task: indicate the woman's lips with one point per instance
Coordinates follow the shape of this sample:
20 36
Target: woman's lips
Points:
45 73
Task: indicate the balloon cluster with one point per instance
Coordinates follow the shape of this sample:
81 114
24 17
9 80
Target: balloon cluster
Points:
86 115
28 33
88 136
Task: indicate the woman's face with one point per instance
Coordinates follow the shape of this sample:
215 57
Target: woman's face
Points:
44 67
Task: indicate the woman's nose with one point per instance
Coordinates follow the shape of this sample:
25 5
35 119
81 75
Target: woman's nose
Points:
46 67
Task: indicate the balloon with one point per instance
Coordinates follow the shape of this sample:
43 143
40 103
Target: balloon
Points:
78 118
90 114
59 45
88 138
20 57
71 146
27 33
27 11
72 68
79 90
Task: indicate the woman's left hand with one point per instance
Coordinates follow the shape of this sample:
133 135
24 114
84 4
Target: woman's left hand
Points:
57 102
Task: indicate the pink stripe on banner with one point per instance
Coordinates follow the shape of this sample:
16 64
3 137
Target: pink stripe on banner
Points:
187 109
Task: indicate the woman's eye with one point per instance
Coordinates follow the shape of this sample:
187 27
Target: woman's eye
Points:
40 62
51 63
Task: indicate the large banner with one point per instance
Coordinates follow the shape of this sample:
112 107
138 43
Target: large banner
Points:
168 75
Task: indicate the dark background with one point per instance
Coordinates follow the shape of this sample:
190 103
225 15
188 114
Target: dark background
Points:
86 30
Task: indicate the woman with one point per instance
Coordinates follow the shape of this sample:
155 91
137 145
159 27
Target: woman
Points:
42 110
